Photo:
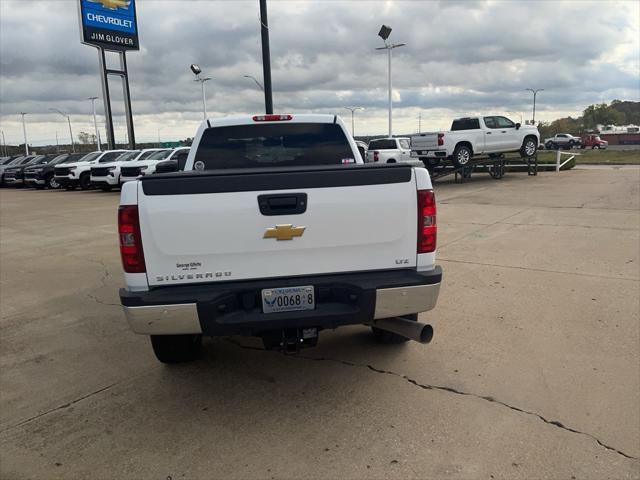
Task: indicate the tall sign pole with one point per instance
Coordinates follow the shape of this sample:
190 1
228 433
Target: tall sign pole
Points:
24 130
266 57
111 26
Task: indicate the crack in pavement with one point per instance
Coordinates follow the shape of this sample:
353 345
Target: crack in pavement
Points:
441 388
593 275
76 400
103 283
61 407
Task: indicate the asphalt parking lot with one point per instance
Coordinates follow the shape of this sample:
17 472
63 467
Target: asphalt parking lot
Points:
534 371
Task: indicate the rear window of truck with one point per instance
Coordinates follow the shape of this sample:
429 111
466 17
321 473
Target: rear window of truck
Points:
275 144
465 124
385 144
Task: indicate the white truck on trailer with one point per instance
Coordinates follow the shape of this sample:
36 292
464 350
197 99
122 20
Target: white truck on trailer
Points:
474 136
277 229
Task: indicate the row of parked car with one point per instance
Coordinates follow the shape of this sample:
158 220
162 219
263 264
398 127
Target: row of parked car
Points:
567 141
101 169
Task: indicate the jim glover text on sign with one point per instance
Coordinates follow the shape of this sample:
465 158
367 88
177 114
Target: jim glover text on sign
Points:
110 24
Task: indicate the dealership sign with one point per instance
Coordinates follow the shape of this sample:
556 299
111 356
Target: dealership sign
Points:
110 24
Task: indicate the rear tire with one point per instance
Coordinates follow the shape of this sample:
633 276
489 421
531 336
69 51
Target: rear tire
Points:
390 338
85 181
391 160
529 147
462 156
176 348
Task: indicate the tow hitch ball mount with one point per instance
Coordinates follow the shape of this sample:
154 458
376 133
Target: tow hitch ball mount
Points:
290 340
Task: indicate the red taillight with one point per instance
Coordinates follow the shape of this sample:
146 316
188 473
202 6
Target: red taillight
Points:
271 118
376 156
130 239
427 226
440 139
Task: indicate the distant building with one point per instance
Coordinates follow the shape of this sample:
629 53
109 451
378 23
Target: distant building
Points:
620 135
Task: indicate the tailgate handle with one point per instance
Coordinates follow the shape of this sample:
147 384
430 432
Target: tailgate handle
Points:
289 204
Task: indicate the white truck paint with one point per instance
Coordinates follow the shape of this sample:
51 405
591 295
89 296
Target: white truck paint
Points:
72 175
389 150
106 175
473 136
135 169
276 203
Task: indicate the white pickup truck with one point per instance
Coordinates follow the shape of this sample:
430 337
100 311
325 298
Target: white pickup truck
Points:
471 136
277 229
389 150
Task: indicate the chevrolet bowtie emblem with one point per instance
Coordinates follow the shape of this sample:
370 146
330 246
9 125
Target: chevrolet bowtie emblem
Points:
113 4
284 232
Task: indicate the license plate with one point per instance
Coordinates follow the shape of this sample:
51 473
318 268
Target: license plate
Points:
288 299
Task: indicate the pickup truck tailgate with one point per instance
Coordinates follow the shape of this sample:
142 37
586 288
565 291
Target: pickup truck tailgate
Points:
425 142
264 223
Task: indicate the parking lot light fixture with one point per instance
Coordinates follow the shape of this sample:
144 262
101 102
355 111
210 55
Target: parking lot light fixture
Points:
24 131
73 147
197 72
535 93
352 110
384 33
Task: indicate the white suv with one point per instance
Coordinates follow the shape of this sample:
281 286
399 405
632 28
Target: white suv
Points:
106 175
72 175
133 170
389 150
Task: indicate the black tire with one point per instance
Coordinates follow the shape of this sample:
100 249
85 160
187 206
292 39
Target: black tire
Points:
391 160
462 155
176 348
51 183
85 181
390 338
106 188
529 147
430 162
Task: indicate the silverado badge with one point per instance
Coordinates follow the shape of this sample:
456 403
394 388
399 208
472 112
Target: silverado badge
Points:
284 232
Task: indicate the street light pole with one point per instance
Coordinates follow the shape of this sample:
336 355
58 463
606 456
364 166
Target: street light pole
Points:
384 33
254 79
95 121
24 131
353 109
68 117
535 92
204 96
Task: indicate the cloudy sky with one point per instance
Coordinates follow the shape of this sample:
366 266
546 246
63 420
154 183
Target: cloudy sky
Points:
462 57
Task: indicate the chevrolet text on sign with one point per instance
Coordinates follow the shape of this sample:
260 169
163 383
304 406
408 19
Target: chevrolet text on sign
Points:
110 24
